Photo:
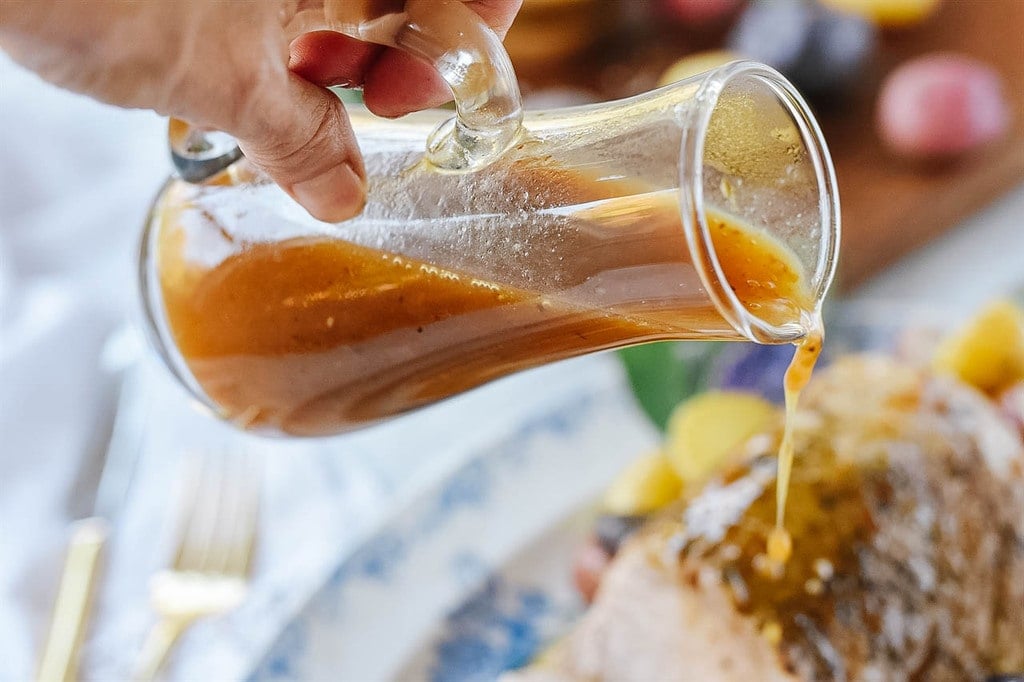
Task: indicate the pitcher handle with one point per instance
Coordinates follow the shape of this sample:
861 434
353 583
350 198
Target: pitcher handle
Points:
448 35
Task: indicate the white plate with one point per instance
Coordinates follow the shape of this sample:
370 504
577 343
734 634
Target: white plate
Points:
472 577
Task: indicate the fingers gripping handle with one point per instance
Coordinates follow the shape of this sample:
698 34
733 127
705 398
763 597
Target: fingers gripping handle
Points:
448 35
472 60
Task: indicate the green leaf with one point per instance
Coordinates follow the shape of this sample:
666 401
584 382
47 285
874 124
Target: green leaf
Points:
664 374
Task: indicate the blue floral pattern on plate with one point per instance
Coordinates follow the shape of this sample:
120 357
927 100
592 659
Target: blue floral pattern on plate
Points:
471 578
498 628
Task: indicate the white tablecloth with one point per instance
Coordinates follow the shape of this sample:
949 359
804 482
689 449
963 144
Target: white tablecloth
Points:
76 178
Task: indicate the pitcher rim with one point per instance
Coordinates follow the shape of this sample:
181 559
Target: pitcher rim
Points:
692 205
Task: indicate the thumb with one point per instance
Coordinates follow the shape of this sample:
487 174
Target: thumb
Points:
302 138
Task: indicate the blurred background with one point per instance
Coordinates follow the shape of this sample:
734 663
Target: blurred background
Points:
897 190
932 205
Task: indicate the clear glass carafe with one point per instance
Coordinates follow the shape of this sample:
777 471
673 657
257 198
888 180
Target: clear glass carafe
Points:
706 209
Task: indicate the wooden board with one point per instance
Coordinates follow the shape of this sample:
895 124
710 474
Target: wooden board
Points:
889 206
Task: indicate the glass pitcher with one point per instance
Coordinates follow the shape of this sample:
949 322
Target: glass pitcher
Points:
490 243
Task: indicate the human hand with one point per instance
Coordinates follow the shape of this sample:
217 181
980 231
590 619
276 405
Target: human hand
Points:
230 65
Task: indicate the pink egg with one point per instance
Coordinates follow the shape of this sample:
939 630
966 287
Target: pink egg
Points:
941 105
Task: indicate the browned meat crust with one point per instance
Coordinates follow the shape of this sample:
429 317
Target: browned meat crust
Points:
907 514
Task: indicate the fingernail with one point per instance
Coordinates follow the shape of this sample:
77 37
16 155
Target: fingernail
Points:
336 194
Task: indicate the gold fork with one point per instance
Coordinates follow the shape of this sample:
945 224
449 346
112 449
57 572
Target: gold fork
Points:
210 571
